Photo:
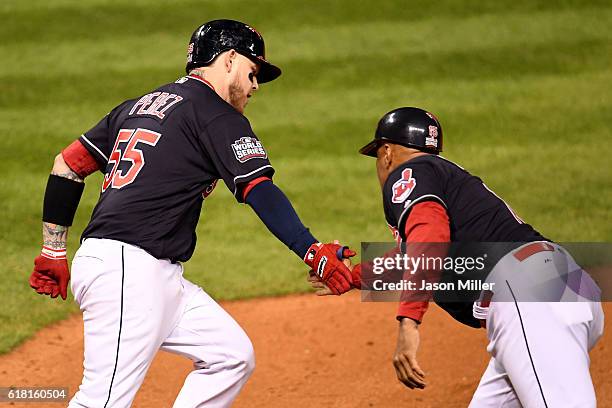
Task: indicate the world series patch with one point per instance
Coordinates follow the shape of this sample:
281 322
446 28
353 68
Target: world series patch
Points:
247 148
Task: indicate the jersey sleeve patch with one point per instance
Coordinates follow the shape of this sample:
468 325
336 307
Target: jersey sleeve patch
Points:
247 148
412 182
232 147
403 187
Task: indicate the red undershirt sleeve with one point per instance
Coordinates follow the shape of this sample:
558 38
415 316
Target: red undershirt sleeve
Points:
427 222
78 158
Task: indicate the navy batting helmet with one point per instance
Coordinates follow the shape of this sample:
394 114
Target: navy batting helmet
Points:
212 38
410 127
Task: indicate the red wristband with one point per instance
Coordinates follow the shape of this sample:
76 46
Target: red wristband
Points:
52 253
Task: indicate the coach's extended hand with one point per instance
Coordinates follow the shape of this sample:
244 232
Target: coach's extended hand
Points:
405 362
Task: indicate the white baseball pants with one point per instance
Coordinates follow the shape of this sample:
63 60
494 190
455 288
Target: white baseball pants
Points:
133 305
539 350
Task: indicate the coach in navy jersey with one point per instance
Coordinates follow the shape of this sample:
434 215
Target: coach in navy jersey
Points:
161 155
428 199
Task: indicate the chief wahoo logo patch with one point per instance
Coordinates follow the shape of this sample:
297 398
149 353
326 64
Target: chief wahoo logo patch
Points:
403 187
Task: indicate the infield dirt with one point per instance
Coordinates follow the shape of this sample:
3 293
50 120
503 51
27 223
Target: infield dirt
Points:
324 352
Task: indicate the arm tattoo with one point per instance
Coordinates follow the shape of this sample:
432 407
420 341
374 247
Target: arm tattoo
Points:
69 174
54 236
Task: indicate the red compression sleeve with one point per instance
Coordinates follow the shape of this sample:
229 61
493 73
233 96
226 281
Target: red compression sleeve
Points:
427 222
79 159
249 186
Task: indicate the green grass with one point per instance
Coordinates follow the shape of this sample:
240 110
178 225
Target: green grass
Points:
522 89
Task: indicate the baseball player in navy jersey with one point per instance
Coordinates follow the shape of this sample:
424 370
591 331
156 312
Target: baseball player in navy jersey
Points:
539 350
161 155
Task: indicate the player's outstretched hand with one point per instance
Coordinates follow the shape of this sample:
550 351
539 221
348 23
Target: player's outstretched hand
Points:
405 362
50 276
322 289
326 261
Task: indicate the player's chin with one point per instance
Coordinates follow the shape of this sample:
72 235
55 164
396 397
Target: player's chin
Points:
244 105
240 106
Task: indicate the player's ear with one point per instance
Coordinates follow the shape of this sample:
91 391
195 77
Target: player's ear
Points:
388 155
230 59
383 162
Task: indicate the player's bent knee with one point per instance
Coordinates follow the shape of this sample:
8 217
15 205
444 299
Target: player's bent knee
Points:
242 354
246 356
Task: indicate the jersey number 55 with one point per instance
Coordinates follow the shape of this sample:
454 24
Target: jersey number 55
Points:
129 138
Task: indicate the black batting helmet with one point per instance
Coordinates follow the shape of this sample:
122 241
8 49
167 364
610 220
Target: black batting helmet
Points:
410 127
212 38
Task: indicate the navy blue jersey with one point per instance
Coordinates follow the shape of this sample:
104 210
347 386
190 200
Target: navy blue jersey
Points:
476 214
161 155
479 220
